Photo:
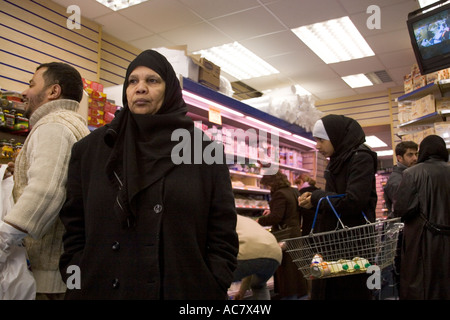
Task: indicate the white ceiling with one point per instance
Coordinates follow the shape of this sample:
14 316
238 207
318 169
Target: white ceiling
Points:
263 26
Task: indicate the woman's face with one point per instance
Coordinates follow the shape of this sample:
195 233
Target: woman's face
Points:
325 147
145 91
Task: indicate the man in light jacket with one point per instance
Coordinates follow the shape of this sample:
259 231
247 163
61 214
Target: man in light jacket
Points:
40 173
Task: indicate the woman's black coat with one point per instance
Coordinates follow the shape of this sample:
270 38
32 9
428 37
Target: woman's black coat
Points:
183 245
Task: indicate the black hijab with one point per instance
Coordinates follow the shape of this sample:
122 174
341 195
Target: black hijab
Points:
346 135
432 146
142 143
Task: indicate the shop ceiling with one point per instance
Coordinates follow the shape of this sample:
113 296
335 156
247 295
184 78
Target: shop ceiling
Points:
264 27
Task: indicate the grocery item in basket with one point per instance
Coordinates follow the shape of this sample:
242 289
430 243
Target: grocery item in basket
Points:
360 263
317 259
321 269
347 265
335 267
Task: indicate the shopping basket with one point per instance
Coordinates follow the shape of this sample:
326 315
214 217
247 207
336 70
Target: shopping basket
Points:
346 250
283 234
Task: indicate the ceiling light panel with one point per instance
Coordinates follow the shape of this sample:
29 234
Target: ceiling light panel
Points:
120 4
238 61
334 40
357 80
375 142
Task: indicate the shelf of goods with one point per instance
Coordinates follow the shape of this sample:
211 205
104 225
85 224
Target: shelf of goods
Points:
13 125
424 111
255 143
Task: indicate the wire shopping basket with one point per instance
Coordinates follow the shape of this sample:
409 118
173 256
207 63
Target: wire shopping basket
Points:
346 250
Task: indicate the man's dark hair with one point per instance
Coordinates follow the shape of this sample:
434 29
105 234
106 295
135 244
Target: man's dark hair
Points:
68 78
401 148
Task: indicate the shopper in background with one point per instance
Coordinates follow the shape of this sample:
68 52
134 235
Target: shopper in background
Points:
350 171
40 172
138 225
423 203
258 259
284 219
406 154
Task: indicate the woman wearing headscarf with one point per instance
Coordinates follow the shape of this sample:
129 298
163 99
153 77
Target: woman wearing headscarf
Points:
139 226
284 220
423 202
351 172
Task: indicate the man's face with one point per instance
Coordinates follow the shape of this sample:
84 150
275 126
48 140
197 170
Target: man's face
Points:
409 158
37 93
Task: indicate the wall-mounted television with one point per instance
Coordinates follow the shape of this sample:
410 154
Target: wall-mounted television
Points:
430 37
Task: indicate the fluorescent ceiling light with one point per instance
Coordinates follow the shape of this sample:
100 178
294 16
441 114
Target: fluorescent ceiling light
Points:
334 40
238 61
357 80
120 4
375 142
385 153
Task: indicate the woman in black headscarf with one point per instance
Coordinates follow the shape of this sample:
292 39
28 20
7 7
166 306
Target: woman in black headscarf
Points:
423 202
351 171
140 224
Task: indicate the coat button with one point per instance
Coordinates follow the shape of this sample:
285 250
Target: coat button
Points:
158 208
115 283
116 246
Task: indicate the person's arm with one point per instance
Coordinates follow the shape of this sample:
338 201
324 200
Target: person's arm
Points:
72 215
223 244
277 210
37 208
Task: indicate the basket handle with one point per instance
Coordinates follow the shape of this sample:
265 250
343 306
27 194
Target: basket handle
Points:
338 216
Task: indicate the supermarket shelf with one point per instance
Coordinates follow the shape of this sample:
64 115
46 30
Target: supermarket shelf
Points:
236 105
251 190
441 87
432 117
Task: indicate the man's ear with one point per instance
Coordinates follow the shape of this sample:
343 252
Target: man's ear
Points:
54 92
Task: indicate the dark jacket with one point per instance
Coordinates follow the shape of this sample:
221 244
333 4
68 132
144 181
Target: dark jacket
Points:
390 189
356 180
423 202
283 211
183 244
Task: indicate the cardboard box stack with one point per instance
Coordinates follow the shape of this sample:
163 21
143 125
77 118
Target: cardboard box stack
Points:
100 110
192 66
415 80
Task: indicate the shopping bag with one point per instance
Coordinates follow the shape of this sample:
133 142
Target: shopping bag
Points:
16 280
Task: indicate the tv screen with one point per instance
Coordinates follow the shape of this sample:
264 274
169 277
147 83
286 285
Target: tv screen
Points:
430 38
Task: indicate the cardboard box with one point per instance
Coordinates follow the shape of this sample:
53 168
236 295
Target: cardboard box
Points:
404 112
182 64
419 81
193 67
208 74
432 77
425 105
444 74
442 104
442 129
408 83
